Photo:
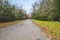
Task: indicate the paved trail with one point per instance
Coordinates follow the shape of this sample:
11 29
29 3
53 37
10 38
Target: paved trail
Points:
22 31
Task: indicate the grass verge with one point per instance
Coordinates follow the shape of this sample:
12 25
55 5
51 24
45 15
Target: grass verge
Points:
6 24
52 29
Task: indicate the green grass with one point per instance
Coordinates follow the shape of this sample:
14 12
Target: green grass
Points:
7 24
53 28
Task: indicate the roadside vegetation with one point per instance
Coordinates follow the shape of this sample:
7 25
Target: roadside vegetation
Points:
47 10
10 13
7 24
52 29
47 15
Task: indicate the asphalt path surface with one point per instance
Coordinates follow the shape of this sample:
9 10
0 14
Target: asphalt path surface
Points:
23 31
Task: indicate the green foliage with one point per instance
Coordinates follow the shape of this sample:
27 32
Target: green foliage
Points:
48 10
9 12
57 9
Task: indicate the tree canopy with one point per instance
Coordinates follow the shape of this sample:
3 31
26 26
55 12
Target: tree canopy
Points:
48 10
10 12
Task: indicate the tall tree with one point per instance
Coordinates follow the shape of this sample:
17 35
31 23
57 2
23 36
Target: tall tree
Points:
10 12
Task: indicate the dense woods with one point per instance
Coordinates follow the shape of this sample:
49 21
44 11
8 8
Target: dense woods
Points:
48 10
10 12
